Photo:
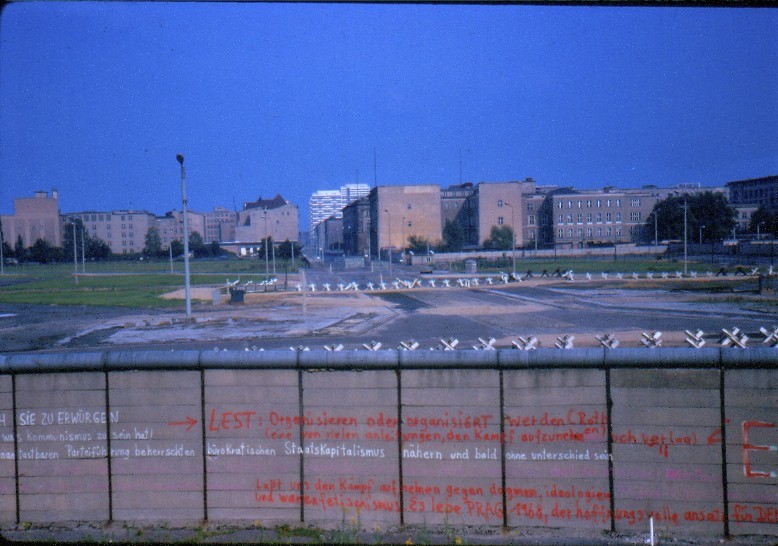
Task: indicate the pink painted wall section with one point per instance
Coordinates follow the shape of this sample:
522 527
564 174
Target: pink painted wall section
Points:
62 430
7 455
752 450
526 447
667 450
556 452
156 445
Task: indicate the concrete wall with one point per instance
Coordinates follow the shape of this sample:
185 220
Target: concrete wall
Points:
584 438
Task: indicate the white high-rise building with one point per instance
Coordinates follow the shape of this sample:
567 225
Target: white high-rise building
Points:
326 203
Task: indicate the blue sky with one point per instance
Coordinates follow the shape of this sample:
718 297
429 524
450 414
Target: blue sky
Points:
96 99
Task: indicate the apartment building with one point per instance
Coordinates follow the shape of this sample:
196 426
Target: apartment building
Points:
276 218
498 204
326 203
34 218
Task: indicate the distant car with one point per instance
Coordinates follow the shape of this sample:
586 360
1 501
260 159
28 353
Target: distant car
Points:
11 261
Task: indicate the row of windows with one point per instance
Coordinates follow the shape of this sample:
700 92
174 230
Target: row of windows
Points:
590 232
101 217
635 216
597 203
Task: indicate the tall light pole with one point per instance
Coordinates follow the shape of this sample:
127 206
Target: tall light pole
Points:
701 228
83 251
264 243
75 250
513 236
2 260
389 221
187 286
402 243
757 230
685 239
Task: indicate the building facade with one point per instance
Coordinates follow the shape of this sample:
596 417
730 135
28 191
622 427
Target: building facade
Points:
34 218
171 226
124 231
356 228
220 225
498 204
399 212
276 218
760 192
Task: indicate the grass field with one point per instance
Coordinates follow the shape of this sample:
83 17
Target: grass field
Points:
122 283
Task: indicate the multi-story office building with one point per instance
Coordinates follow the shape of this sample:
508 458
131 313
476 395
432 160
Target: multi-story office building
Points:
325 203
760 192
220 225
171 226
124 231
609 216
276 218
34 218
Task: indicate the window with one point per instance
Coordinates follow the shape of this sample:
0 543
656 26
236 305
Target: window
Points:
589 218
532 234
599 217
608 203
561 233
580 217
561 219
599 232
599 203
618 202
122 217
588 203
569 204
580 232
129 217
607 216
499 202
618 232
124 226
635 216
531 219
579 204
635 202
409 206
569 218
618 217
530 205
588 232
500 220
570 232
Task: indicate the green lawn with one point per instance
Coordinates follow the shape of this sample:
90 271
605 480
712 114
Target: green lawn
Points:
124 283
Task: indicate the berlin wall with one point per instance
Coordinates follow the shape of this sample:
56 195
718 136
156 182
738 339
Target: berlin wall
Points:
583 438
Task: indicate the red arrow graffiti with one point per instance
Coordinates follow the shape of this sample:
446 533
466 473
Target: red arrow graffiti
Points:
189 423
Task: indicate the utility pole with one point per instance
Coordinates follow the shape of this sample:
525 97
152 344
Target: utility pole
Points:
513 236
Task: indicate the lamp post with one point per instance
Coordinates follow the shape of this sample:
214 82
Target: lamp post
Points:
83 251
757 230
187 287
701 228
75 250
389 221
2 259
402 243
513 236
685 242
267 269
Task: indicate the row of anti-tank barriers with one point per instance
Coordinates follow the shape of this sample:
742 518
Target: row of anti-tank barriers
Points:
578 438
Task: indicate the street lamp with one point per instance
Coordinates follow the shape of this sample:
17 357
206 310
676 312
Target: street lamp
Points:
187 286
685 253
701 228
267 269
402 243
757 230
389 221
513 235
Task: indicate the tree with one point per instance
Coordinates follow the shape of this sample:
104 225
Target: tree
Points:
453 236
44 253
97 249
67 239
152 244
20 253
215 250
707 209
177 248
197 246
7 250
766 220
500 238
284 250
418 244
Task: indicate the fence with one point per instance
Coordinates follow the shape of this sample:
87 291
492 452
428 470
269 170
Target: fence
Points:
581 438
